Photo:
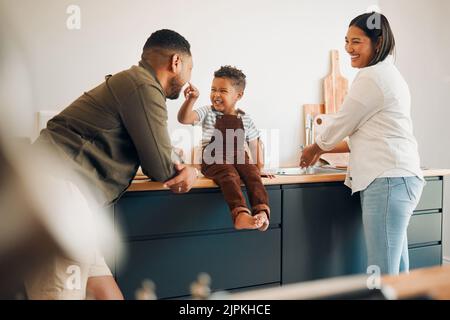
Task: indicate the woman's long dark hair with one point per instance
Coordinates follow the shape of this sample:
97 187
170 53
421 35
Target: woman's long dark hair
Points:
376 26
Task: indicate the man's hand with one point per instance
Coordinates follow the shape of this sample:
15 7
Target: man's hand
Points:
184 180
191 92
310 155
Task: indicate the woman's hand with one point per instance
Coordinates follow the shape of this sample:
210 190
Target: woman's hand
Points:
310 155
191 92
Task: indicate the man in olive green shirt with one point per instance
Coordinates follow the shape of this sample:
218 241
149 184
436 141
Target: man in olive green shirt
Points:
108 132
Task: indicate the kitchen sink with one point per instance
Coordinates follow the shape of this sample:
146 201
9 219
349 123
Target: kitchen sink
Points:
297 171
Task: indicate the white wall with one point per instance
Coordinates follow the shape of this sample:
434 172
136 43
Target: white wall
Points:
422 31
282 46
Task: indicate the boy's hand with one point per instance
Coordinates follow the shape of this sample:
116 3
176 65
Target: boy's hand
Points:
191 92
267 175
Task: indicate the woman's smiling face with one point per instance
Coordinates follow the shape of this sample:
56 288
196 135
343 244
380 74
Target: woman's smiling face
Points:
359 47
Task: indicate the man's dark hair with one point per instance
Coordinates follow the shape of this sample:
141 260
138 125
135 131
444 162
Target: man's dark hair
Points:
236 76
168 40
376 26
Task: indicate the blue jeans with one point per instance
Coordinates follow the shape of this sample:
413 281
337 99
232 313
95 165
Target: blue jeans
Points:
387 205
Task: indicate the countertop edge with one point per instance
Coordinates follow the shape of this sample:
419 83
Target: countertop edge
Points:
205 183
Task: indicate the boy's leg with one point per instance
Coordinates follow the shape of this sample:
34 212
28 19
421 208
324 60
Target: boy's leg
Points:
227 177
257 193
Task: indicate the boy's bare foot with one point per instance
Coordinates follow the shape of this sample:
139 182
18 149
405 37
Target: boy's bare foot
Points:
246 221
263 220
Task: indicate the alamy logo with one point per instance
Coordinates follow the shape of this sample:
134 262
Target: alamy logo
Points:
374 279
228 149
215 153
374 21
73 281
73 22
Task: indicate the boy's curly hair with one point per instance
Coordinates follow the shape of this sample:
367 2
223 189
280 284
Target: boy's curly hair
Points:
236 76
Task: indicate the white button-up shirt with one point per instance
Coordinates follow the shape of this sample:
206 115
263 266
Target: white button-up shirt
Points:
376 116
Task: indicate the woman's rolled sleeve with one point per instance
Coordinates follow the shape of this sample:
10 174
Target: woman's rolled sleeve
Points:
363 101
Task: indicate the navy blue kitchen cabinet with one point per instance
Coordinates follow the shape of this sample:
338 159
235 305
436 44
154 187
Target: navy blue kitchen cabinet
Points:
323 233
316 232
170 239
425 227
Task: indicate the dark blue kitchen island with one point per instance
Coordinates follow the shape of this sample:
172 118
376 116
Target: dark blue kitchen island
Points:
315 232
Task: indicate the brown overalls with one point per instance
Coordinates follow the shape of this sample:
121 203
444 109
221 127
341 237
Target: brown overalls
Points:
228 174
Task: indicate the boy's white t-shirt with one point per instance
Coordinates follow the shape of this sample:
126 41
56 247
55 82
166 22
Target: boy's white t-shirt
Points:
207 118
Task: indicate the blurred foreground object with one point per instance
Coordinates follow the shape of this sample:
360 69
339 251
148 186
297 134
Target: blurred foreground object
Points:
147 291
25 242
200 289
420 284
352 287
46 214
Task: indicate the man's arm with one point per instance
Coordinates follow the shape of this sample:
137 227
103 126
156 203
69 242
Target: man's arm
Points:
144 114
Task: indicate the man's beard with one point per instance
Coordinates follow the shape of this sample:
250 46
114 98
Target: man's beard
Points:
175 87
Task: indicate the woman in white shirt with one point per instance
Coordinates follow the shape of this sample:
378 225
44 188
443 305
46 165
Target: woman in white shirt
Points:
384 163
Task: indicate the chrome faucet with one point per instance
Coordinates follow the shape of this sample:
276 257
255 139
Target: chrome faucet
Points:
309 129
309 138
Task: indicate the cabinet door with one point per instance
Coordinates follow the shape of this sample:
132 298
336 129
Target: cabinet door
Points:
425 229
160 213
233 260
322 233
423 257
432 194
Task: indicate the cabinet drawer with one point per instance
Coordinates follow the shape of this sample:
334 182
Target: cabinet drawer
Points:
233 260
425 257
431 195
156 213
425 228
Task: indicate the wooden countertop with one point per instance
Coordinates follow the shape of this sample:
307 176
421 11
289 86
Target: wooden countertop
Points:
143 184
432 282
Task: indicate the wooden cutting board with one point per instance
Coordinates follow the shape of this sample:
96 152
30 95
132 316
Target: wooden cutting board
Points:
335 86
313 110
